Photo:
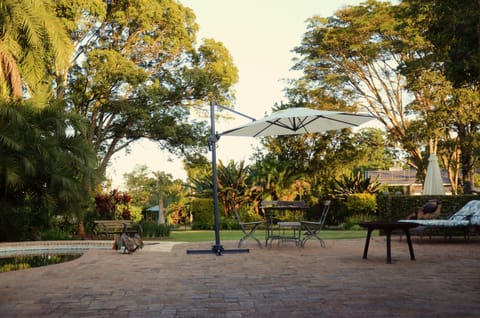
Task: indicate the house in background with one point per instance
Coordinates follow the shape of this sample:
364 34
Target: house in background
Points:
405 180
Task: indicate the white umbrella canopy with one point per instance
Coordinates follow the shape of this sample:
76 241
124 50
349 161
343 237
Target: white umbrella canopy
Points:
433 180
299 120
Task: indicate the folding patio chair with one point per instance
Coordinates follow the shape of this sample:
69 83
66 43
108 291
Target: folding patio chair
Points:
248 228
312 229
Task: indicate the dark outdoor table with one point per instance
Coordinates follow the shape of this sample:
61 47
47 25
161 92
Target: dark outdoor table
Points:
388 227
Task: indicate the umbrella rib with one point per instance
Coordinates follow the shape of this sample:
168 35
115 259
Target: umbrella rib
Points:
265 128
297 123
341 121
294 125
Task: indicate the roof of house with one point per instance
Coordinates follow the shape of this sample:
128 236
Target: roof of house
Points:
400 176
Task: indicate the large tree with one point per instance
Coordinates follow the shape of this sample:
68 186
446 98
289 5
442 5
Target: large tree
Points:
454 29
137 67
376 55
354 57
450 72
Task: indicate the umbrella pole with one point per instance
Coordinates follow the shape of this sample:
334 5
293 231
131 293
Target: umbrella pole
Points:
217 248
212 143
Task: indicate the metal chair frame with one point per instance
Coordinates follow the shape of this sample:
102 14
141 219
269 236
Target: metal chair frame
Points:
248 229
312 229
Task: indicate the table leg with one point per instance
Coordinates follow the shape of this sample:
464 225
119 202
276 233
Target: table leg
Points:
388 233
409 241
367 242
267 232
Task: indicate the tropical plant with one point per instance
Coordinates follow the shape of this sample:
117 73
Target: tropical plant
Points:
231 185
113 205
34 48
353 183
46 167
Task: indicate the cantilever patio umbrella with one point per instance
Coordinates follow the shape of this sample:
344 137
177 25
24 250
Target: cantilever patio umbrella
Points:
293 121
433 184
288 121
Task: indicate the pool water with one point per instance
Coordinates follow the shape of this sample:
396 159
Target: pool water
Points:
14 263
22 255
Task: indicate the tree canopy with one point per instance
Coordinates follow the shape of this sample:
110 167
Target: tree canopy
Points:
136 70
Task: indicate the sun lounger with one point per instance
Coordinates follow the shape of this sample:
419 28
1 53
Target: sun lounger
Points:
463 220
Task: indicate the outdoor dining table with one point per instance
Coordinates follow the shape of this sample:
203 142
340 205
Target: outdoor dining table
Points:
276 228
388 227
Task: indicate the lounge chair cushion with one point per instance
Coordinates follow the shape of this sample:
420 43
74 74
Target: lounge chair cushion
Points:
475 218
440 223
467 211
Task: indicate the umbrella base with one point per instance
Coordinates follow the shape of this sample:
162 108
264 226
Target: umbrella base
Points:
219 250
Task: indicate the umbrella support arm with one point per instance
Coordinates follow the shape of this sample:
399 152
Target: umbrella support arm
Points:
216 249
234 111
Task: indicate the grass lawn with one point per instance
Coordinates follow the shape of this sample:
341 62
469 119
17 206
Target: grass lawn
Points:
209 236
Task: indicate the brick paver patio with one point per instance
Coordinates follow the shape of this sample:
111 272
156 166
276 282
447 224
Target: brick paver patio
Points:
281 281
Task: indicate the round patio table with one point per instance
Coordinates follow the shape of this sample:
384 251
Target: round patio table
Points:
388 227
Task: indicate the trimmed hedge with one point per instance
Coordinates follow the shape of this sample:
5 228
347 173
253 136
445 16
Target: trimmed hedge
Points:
396 207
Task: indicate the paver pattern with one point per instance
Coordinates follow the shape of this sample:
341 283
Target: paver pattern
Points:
277 281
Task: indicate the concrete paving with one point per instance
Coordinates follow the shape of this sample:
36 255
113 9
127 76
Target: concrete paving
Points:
162 280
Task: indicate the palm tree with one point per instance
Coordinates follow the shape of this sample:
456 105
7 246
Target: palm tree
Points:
163 181
33 44
46 167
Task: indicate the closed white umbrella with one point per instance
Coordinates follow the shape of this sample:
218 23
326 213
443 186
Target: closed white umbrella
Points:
433 184
292 121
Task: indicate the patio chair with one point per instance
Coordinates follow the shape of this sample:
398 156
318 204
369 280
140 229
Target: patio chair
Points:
248 228
312 229
291 230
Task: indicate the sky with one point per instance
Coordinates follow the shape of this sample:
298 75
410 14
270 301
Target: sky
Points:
259 35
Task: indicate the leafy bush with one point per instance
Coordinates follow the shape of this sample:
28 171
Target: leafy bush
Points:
56 235
152 229
352 221
362 203
202 212
88 221
229 224
202 226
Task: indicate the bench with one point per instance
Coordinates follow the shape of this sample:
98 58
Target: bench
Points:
106 229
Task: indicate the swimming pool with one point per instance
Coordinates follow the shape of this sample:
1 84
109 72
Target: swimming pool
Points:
22 255
50 247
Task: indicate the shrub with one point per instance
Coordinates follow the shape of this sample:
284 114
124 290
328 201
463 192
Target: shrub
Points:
55 234
202 212
361 203
202 226
152 229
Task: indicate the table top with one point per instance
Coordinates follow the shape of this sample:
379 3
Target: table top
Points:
283 205
388 225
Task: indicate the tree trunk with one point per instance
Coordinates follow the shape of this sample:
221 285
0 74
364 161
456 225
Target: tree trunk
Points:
81 230
161 217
